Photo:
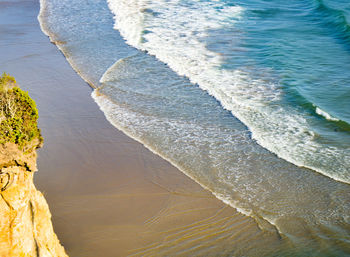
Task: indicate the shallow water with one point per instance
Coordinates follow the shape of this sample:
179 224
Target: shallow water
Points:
248 57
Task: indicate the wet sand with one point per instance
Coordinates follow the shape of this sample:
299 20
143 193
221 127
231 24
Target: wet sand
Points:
109 195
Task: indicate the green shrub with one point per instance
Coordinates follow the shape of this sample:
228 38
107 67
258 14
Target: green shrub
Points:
6 81
18 114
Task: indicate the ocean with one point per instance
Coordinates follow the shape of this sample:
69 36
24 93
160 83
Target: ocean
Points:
251 99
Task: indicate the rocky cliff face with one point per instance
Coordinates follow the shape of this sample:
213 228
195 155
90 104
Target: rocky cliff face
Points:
25 218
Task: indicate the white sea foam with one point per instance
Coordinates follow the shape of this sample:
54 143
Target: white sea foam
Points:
217 154
175 33
319 111
141 128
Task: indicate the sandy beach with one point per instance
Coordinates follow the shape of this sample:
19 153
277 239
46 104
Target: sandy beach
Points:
109 195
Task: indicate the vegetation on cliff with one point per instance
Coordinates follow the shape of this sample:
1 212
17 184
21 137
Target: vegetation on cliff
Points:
25 218
18 116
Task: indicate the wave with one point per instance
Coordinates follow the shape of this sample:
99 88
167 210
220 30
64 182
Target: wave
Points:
175 32
146 100
334 18
326 115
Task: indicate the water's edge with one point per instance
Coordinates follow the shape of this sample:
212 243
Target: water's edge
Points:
263 223
281 217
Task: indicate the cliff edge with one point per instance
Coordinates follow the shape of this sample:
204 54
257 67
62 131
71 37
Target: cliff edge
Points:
25 218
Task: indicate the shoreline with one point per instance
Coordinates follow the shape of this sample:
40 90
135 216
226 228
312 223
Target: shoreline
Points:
54 39
107 193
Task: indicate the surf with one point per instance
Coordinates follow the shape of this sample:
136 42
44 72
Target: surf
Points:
178 120
176 34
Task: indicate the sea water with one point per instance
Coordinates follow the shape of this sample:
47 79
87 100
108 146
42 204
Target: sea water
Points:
251 99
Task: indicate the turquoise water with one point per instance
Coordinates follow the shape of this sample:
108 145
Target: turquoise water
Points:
275 65
248 98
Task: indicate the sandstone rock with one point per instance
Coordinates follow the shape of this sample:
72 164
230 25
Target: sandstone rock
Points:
25 218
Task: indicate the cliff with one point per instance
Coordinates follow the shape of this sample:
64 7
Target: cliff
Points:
25 218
